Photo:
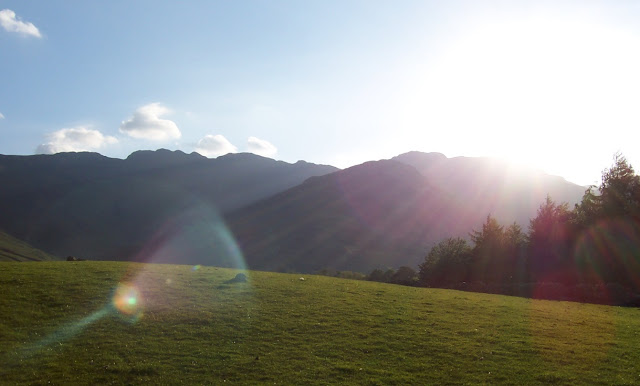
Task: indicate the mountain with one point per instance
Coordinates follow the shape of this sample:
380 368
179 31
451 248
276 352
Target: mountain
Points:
387 213
12 249
171 207
495 187
91 206
381 213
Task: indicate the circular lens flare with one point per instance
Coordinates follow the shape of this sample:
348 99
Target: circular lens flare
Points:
195 235
127 300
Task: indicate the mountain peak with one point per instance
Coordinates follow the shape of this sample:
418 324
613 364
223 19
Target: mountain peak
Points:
73 155
162 153
418 156
162 157
243 155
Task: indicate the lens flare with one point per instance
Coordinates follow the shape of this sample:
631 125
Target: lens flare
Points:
127 300
608 253
194 235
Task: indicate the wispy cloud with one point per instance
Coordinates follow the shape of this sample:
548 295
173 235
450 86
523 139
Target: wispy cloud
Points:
1 116
74 139
11 23
261 147
147 124
214 146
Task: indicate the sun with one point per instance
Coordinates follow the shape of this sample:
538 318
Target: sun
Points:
540 91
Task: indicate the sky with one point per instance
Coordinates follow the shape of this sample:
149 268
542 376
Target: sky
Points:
552 85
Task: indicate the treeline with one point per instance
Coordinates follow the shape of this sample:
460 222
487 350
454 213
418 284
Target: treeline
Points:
403 275
589 253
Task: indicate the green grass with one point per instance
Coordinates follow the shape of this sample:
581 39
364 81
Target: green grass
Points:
12 249
57 326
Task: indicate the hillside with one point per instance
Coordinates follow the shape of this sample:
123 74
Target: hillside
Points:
91 206
510 193
185 325
172 207
385 213
381 213
12 249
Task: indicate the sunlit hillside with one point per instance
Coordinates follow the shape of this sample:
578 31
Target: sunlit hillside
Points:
123 323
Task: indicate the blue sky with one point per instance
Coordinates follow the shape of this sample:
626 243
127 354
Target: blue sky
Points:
553 85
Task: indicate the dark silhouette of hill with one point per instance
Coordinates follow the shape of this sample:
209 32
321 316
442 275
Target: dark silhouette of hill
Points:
12 249
387 213
91 206
166 206
381 213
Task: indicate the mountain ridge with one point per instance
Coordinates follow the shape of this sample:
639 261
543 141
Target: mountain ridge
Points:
115 204
384 213
492 182
169 206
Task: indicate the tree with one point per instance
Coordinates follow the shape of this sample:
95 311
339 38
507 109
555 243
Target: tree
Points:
514 237
620 189
376 275
609 245
551 237
490 239
489 254
381 276
515 251
550 222
447 262
589 209
619 195
388 274
405 276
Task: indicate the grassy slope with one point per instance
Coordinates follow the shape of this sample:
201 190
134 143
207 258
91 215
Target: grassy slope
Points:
12 249
277 328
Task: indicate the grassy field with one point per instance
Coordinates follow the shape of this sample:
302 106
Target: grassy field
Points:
12 249
65 322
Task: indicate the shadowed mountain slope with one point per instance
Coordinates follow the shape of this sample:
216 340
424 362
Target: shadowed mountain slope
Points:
387 213
380 213
91 206
166 206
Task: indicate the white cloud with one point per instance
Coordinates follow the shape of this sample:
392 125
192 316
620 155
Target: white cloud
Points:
214 146
146 124
74 139
261 147
11 23
1 116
